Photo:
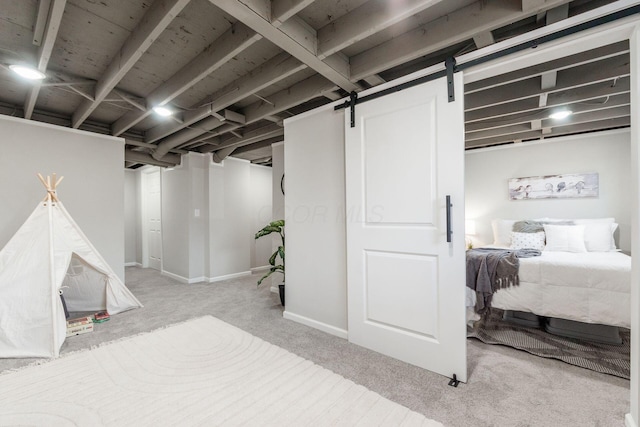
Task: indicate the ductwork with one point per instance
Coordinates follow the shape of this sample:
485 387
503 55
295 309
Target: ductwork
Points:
169 160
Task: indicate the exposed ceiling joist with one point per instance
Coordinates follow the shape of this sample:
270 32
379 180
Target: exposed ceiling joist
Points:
300 92
56 10
41 21
571 61
594 92
542 113
232 42
556 131
483 39
157 18
516 130
374 80
281 10
599 71
456 27
305 48
370 18
274 70
296 94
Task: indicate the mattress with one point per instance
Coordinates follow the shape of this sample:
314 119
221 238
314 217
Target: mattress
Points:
591 287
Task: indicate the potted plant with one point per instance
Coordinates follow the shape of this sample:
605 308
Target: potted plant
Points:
275 227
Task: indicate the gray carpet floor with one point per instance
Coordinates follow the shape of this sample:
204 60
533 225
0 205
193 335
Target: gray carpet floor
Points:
506 387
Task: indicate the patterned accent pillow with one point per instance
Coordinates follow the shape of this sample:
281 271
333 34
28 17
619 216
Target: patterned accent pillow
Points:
527 240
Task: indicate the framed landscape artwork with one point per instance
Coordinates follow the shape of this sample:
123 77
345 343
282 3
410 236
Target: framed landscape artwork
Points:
554 186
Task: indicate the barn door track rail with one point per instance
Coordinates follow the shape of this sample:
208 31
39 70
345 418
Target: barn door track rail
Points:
451 67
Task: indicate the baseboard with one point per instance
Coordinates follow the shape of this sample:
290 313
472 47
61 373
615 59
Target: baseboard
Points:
174 276
198 280
332 330
275 289
629 422
229 276
262 268
131 264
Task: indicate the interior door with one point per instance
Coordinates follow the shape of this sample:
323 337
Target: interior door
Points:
154 223
406 282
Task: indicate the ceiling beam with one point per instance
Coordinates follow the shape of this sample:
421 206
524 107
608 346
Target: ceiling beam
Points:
374 80
582 94
365 20
583 75
251 137
154 22
232 42
542 113
483 39
281 10
298 93
576 118
56 10
549 78
456 27
563 63
41 21
284 36
274 70
556 131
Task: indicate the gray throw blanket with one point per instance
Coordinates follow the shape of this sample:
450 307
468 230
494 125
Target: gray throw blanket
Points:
489 270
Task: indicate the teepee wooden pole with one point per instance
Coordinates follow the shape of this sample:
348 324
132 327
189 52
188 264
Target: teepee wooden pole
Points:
50 185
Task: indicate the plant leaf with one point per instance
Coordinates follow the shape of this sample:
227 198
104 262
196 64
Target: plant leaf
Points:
272 259
264 277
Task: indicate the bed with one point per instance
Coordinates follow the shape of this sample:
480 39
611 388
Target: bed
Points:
587 283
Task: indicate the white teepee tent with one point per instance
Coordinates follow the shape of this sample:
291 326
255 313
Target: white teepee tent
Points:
48 252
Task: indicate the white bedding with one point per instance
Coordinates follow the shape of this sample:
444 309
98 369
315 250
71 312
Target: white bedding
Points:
591 287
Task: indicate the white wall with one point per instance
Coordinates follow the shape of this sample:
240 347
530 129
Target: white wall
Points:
488 172
131 215
92 190
230 219
209 217
316 283
198 212
260 199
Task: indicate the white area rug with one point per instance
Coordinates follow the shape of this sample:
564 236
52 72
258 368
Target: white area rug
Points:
201 372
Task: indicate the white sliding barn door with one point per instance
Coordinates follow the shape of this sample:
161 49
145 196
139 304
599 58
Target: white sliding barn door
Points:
406 283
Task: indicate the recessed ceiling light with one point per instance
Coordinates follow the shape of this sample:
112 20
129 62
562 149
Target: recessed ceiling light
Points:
560 114
162 111
27 72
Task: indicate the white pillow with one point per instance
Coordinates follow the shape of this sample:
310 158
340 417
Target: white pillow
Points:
564 238
598 236
502 231
594 220
527 240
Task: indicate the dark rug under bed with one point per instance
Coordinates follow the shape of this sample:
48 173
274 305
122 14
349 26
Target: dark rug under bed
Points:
605 358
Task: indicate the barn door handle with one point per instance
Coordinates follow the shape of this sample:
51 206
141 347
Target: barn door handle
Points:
449 205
